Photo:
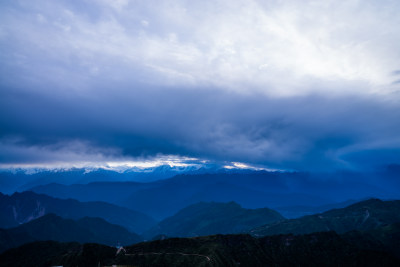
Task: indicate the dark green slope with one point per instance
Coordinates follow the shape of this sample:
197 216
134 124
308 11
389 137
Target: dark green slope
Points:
52 253
361 216
213 218
386 237
52 227
317 249
390 236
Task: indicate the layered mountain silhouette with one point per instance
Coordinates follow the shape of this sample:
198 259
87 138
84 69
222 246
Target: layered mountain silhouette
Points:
213 218
26 206
364 215
366 233
19 180
53 227
164 198
111 192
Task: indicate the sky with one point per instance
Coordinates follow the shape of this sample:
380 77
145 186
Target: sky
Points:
289 85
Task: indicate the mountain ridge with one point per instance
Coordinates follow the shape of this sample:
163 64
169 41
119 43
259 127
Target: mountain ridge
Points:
208 218
364 215
25 206
53 227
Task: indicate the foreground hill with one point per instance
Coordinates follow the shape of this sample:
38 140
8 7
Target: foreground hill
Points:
387 235
317 249
213 218
364 215
53 227
52 253
26 206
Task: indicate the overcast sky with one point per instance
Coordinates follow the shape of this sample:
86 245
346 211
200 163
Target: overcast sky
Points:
305 85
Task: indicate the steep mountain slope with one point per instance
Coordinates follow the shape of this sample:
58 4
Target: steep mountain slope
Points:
213 218
26 206
317 249
365 215
53 227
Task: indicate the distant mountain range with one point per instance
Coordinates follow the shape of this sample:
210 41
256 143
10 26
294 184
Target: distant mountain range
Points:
364 215
250 189
213 218
178 187
164 198
26 206
111 192
53 227
23 179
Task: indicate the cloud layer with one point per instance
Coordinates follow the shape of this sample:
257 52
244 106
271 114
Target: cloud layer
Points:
289 85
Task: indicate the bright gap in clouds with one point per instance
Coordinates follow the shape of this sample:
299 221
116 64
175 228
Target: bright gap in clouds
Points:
244 166
174 162
115 165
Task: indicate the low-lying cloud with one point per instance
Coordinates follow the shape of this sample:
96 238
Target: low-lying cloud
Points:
300 133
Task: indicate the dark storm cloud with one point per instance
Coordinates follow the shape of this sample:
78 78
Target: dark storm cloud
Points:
299 133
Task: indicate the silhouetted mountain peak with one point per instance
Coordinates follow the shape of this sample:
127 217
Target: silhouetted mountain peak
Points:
206 218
